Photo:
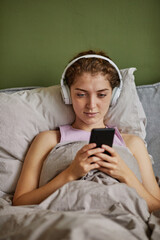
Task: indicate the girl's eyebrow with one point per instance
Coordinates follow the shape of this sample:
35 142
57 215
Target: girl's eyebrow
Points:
101 90
79 89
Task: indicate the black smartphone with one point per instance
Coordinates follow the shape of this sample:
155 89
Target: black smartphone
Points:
102 136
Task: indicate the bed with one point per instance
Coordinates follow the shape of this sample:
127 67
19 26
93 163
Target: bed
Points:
94 207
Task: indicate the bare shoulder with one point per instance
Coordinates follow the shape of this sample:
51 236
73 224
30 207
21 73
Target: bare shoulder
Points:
133 141
131 138
51 136
44 142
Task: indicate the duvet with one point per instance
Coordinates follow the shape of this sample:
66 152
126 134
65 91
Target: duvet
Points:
95 207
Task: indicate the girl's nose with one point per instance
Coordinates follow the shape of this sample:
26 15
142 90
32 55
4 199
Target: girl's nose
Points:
91 102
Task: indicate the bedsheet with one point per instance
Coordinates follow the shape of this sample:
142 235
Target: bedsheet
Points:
61 156
52 219
93 207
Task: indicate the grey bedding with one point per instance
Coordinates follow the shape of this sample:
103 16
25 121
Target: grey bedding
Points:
63 154
94 207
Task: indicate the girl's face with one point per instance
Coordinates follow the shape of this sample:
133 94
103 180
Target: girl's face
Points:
91 96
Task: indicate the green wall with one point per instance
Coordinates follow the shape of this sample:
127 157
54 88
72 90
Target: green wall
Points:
38 37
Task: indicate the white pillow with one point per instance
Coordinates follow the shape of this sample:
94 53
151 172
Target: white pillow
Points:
26 113
128 113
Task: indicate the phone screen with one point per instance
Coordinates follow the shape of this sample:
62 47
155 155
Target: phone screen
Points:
102 136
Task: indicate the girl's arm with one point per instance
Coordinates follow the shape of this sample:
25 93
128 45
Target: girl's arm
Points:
138 148
116 167
28 191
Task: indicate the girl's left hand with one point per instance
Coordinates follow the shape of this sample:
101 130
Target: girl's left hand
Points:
113 165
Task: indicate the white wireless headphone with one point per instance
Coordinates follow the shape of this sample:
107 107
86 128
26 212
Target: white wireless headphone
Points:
65 91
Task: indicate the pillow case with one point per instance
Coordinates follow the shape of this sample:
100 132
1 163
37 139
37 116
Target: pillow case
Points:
26 113
128 113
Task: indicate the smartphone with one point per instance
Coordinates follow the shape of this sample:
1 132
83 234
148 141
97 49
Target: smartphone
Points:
102 136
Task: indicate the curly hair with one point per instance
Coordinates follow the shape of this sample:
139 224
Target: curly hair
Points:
93 66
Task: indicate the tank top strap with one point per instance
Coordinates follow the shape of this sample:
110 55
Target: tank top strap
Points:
118 140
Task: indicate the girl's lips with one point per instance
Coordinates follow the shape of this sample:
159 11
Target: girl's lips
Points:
90 114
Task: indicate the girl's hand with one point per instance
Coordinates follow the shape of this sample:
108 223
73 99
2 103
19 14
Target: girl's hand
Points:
85 160
113 165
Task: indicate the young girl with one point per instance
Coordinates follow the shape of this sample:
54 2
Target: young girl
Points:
93 82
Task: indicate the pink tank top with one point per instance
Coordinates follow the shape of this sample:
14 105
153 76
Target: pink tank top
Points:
70 134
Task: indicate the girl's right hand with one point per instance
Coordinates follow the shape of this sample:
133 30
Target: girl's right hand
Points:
85 160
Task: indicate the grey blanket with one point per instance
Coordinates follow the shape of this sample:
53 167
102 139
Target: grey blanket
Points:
96 207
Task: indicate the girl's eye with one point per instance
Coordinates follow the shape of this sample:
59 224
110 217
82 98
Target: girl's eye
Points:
102 95
81 94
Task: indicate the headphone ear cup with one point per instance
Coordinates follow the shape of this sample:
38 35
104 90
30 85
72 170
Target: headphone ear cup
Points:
115 95
65 91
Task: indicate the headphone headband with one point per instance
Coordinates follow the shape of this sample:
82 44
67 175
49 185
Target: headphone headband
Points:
90 56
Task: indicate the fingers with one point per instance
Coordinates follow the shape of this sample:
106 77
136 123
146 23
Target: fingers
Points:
108 161
89 150
93 159
94 166
109 149
89 158
107 165
87 147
